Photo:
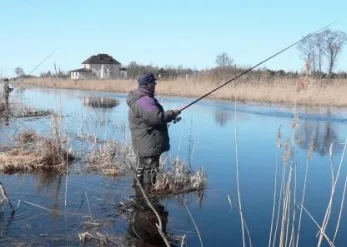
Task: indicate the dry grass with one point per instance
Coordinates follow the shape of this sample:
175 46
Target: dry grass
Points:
2 107
110 158
27 137
22 111
179 179
34 153
281 91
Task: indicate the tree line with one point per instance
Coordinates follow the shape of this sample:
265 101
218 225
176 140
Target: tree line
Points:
319 52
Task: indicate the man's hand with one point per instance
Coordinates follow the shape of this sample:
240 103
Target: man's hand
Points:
176 113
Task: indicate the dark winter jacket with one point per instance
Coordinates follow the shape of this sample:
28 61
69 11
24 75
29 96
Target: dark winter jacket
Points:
148 123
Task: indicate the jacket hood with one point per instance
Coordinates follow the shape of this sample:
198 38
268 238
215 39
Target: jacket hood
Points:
134 95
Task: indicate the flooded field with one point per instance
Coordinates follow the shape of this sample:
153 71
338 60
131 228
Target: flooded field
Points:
55 209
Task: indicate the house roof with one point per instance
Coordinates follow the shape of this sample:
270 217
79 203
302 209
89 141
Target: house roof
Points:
101 59
81 70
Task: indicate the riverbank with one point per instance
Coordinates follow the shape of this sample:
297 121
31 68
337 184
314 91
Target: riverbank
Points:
281 91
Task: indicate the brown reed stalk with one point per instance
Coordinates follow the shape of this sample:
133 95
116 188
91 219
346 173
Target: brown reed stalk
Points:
341 207
328 211
302 202
319 227
280 204
238 180
274 200
286 209
246 227
195 225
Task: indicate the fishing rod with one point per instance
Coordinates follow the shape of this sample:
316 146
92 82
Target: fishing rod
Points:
38 65
248 70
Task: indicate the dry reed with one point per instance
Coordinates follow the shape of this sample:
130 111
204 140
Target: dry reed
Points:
179 179
278 91
34 153
328 210
2 107
238 179
111 158
287 200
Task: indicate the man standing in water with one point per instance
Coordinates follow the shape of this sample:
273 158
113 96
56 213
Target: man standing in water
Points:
7 91
148 126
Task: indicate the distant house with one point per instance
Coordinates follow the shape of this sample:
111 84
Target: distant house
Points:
101 66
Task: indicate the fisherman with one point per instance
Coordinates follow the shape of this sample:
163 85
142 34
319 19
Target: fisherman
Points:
148 126
7 91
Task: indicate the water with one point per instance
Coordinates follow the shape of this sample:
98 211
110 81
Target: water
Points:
206 138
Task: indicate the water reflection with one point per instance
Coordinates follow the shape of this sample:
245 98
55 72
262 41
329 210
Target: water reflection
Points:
222 117
100 102
318 133
5 223
142 220
46 180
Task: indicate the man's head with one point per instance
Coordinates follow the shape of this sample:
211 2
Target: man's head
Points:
6 80
147 80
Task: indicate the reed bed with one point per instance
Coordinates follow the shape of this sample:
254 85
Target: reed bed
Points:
18 110
303 91
179 178
111 158
288 208
34 153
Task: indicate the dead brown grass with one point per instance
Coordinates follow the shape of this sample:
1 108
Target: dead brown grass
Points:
111 158
280 91
2 107
178 179
39 154
26 137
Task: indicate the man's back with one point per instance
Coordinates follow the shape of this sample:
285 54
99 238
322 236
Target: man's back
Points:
147 123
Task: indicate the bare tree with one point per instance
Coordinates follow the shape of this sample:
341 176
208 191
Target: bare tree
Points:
308 52
320 51
334 42
19 71
134 69
46 74
223 60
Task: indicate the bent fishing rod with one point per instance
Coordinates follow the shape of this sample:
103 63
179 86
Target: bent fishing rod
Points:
260 63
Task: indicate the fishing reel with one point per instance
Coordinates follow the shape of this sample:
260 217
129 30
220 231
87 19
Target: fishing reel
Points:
177 119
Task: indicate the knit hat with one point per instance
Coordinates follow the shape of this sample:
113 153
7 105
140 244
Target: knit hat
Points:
146 78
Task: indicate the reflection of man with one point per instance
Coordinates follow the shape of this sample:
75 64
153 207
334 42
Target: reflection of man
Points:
142 222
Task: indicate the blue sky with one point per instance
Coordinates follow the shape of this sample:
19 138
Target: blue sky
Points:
189 33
